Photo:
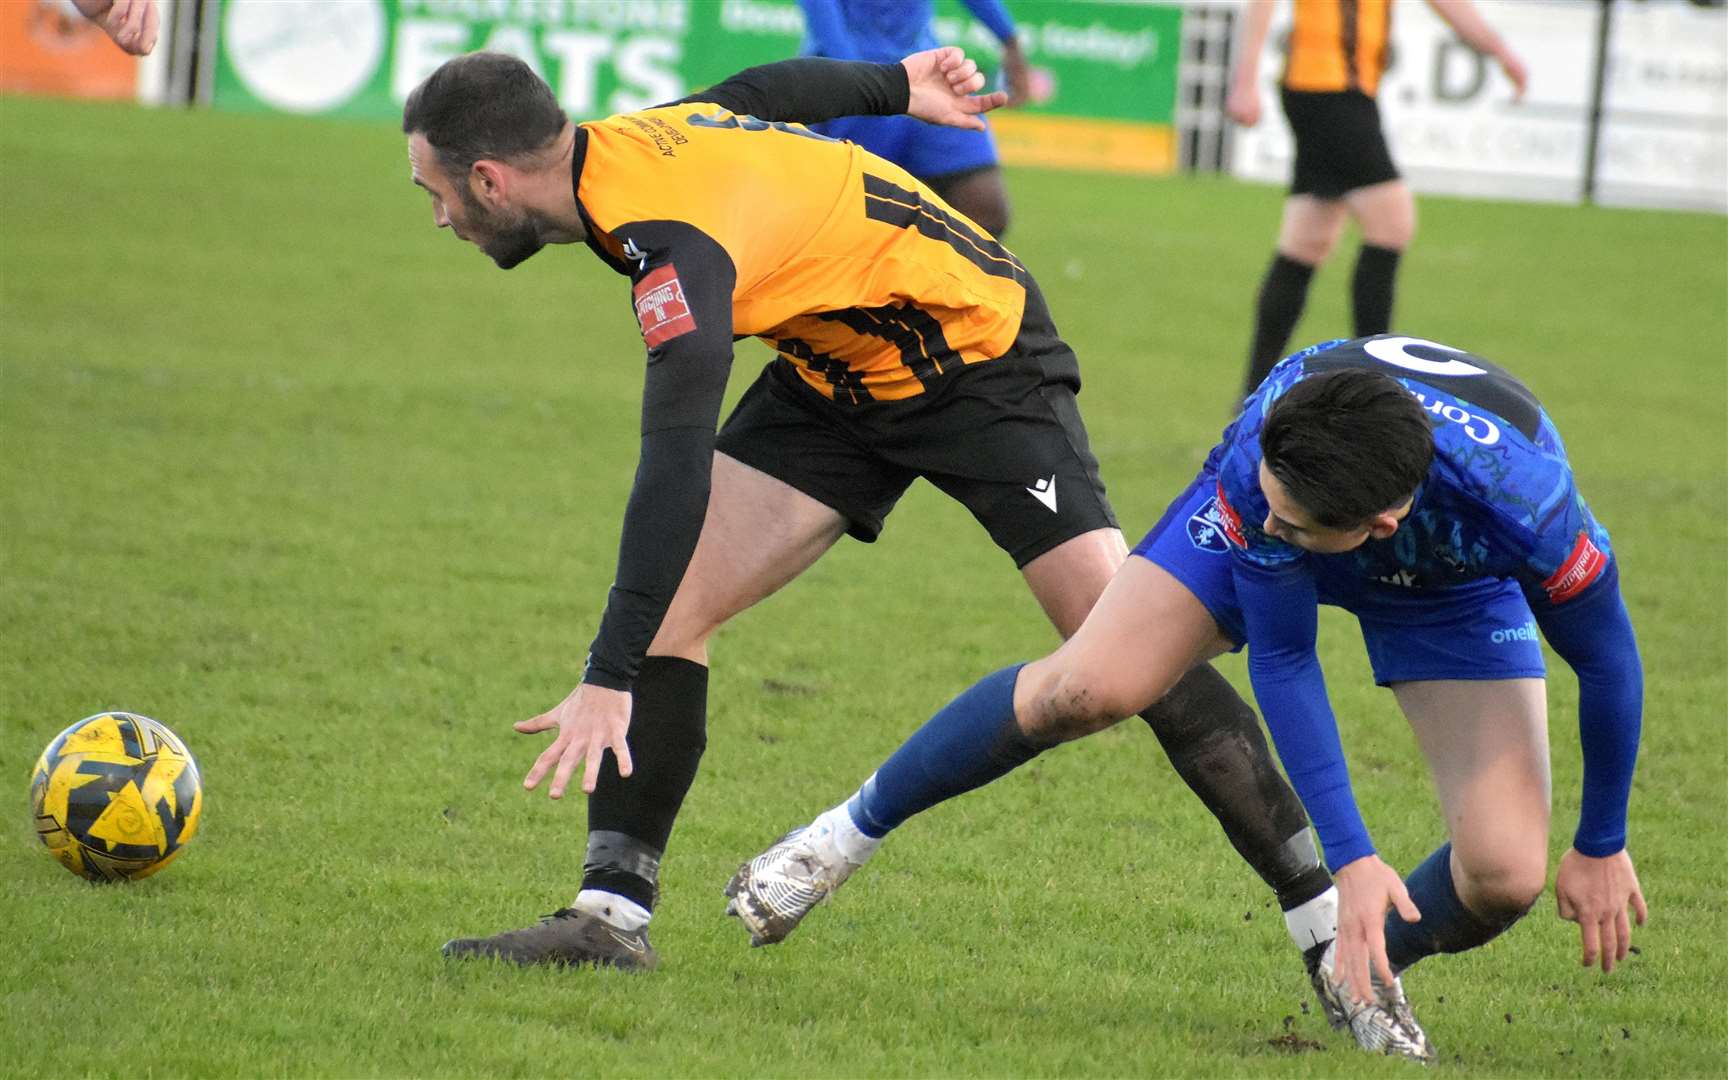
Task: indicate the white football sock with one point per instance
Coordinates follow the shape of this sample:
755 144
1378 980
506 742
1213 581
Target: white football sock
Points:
836 831
1314 922
622 912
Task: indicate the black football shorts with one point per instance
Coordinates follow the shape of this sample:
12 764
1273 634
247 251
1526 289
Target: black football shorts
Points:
1339 143
1003 437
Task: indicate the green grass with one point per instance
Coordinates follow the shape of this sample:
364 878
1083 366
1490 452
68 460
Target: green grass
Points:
296 474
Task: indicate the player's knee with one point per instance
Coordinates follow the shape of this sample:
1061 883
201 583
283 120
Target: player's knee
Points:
980 196
1504 885
991 215
988 209
1392 226
1395 235
1310 248
1059 704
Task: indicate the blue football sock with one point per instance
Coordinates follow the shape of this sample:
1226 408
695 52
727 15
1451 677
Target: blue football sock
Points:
1447 926
971 742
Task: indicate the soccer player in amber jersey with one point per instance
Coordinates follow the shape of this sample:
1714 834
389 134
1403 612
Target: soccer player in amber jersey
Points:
907 343
1427 492
1343 170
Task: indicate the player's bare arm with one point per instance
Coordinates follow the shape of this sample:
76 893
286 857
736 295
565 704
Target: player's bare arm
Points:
1467 22
1243 103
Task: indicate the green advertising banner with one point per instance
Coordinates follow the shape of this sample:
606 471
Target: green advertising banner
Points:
1105 72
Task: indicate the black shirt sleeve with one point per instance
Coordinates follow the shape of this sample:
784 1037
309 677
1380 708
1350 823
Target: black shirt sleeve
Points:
810 89
683 297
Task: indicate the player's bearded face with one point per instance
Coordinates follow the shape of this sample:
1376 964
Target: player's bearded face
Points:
507 236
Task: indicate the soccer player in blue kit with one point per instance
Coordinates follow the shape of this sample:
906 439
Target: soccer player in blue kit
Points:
960 164
1426 491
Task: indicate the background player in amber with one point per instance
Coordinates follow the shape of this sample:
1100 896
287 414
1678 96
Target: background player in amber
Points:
1343 168
907 344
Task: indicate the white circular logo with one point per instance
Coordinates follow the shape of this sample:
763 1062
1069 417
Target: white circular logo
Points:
1396 350
304 56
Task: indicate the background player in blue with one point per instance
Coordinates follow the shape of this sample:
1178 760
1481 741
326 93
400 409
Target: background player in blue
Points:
1426 491
960 164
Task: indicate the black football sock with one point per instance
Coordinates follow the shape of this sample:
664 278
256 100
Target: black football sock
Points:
630 820
1372 288
1283 293
1213 739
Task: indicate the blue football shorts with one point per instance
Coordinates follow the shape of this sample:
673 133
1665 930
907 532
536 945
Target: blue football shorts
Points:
927 151
1483 630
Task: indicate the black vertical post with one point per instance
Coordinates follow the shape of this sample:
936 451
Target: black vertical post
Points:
1604 28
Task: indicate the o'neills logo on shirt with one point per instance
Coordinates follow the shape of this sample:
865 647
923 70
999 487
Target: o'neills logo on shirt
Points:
1231 520
661 309
1581 567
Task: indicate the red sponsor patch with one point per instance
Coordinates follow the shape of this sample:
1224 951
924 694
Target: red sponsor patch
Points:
661 309
1232 520
1581 567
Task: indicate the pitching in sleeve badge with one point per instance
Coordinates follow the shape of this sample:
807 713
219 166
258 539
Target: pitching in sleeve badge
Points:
661 309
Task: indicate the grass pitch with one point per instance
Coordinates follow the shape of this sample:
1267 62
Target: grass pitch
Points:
287 469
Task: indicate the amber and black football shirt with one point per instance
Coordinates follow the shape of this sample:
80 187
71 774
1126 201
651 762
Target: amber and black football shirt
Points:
732 222
1338 45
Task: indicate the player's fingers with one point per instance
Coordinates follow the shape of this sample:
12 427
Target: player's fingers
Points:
1588 932
542 763
591 774
538 723
152 23
1352 960
1623 935
1407 909
621 750
1377 953
566 765
983 103
1609 930
1638 905
965 78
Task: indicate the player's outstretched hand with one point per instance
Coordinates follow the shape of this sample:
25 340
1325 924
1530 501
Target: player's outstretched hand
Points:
945 87
132 24
1594 893
590 721
1366 888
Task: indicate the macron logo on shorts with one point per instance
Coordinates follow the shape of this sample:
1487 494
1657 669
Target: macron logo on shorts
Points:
1045 492
1583 566
661 309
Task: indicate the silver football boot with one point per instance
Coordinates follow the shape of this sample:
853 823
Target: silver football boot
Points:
773 892
1382 1026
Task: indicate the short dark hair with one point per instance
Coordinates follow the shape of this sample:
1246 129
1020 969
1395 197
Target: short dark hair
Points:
1347 445
482 105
